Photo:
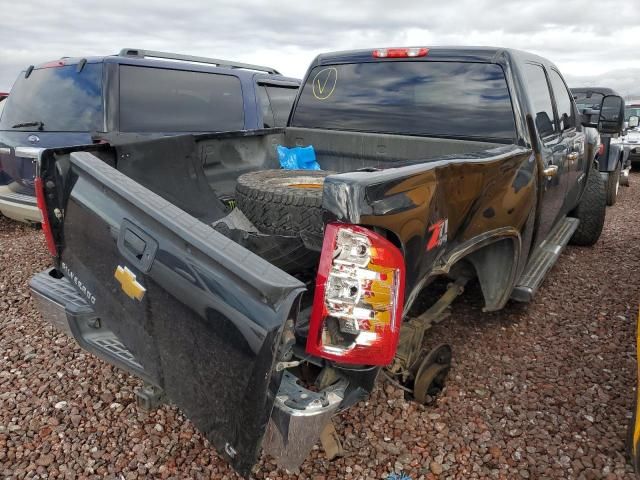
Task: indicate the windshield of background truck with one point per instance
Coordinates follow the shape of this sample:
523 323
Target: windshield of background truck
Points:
631 112
590 101
61 98
442 99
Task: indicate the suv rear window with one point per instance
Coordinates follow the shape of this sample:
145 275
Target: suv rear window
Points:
162 100
62 98
448 99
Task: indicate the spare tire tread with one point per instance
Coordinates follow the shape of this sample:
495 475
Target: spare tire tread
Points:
281 210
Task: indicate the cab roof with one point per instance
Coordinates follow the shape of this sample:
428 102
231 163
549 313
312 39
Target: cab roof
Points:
435 53
592 90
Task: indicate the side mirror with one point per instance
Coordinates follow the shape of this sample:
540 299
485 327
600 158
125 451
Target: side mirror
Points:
633 121
611 115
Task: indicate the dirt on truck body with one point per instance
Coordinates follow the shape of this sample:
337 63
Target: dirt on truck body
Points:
446 162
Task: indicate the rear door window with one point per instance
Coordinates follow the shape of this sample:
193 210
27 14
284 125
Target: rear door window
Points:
276 102
162 100
564 102
540 96
62 98
425 98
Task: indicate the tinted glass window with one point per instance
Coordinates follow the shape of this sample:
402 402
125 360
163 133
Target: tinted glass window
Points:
415 98
160 100
281 99
265 107
540 98
628 112
563 101
589 100
59 97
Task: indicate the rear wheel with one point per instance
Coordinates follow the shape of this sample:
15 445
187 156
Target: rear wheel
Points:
591 210
613 185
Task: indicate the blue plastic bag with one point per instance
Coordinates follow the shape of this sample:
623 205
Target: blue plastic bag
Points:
297 158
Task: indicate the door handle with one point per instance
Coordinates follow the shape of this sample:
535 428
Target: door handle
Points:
550 171
572 157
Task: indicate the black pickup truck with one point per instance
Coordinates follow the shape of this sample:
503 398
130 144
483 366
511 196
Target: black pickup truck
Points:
262 321
613 158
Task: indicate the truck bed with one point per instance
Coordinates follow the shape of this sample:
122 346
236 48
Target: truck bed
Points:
193 171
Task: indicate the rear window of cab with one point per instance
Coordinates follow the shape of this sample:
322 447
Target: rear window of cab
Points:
443 99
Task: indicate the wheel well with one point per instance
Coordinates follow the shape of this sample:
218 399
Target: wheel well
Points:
495 266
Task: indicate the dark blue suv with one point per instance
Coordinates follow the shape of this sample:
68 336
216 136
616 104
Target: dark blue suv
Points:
81 101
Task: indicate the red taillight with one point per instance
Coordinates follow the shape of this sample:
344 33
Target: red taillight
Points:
46 227
53 64
359 297
601 150
400 52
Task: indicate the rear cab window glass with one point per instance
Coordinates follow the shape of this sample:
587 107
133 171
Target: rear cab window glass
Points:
163 100
425 98
564 102
540 96
62 98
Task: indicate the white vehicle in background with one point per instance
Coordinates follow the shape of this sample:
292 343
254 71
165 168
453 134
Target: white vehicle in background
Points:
631 139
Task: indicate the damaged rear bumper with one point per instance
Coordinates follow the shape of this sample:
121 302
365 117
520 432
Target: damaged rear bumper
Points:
299 414
298 418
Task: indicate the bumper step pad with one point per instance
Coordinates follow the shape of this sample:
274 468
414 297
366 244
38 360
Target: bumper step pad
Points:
61 305
545 257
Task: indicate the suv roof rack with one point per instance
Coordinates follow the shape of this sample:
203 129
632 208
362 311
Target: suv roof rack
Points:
139 53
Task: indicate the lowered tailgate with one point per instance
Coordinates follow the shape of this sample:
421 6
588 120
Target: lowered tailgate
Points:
201 314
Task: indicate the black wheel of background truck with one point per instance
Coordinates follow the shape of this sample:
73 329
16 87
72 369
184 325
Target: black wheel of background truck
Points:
283 202
613 185
591 210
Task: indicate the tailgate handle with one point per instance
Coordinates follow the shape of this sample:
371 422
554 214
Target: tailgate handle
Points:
134 244
137 246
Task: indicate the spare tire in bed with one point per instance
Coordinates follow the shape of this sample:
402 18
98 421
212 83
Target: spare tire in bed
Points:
283 202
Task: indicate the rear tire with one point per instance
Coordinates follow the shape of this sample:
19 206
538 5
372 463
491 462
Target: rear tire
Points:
613 185
591 210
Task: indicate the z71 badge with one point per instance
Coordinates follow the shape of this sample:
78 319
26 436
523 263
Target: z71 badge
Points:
438 233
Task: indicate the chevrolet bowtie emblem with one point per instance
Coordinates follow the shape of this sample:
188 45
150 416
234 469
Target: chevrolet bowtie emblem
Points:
129 284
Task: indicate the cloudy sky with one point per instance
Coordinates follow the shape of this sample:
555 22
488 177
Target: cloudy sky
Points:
591 41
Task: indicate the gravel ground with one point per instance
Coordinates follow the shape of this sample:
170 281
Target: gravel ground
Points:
542 391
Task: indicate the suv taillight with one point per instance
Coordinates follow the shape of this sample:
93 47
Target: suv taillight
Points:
46 226
359 297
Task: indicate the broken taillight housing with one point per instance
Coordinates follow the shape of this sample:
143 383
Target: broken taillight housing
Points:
46 226
359 297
